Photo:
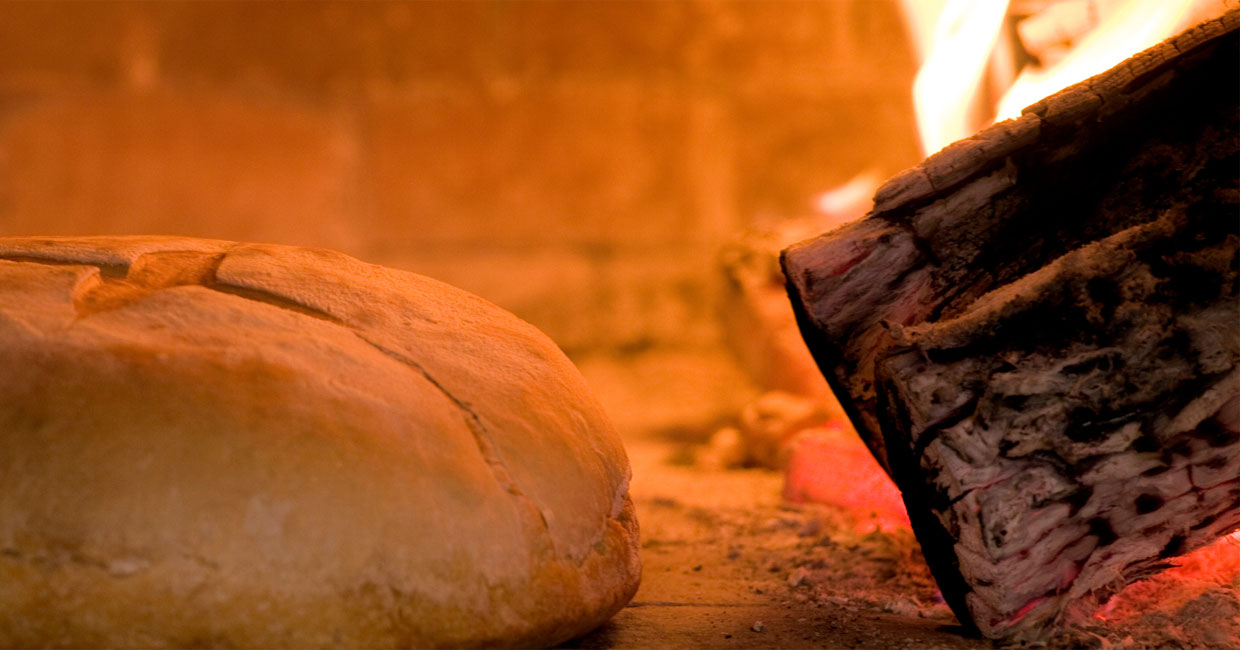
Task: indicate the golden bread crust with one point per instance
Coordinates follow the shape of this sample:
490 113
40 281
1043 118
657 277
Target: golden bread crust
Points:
210 443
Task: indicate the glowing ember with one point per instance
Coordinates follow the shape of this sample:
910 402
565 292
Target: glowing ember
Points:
1190 601
1216 566
831 465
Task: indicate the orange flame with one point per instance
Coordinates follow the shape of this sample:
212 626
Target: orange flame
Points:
1134 26
956 53
964 35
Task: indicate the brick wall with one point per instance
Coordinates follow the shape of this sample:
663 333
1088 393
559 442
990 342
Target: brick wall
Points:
579 163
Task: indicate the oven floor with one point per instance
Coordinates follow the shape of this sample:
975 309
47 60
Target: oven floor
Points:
728 566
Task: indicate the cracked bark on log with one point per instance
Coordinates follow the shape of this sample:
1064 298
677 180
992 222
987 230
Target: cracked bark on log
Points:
1035 331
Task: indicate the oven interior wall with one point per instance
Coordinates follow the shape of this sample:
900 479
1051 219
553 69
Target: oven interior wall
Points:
577 163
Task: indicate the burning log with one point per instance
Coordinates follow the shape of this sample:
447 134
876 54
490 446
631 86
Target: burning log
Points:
1035 332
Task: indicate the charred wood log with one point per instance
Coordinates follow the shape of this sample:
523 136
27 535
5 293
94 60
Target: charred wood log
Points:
1037 331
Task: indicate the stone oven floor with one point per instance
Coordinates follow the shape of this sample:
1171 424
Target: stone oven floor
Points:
729 564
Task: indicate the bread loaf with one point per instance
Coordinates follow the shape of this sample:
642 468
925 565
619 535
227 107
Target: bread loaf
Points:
206 443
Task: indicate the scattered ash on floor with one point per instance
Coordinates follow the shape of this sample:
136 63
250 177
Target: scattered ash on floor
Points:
730 563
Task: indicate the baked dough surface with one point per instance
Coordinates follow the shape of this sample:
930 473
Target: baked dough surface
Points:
206 443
